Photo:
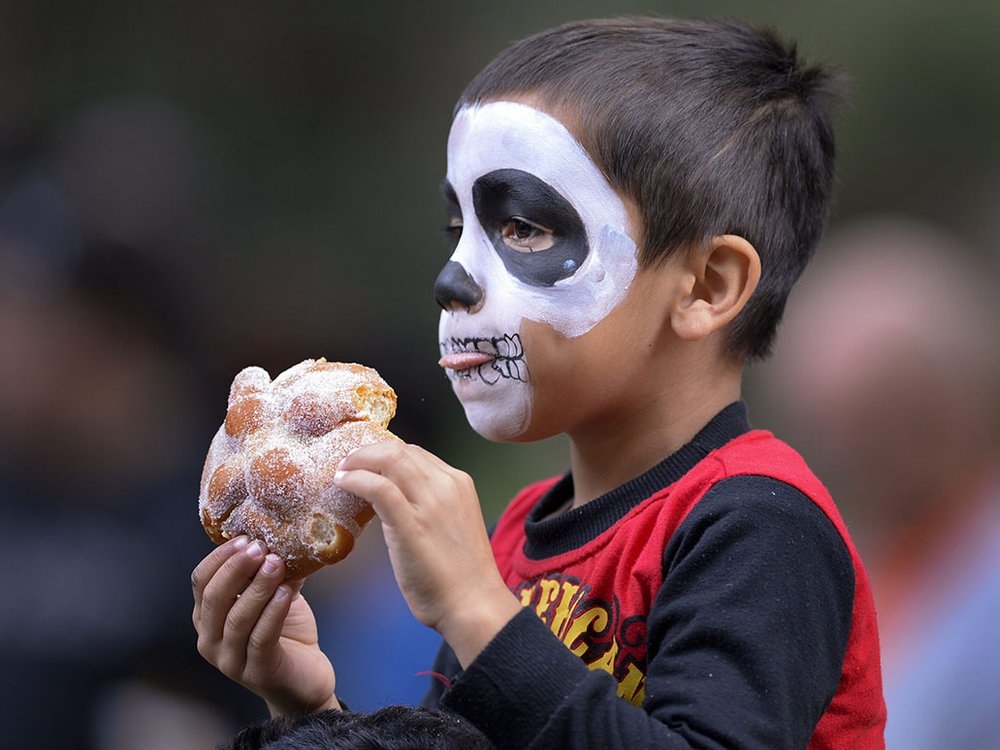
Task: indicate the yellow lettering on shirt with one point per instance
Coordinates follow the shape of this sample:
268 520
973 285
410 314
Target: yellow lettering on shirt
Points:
589 629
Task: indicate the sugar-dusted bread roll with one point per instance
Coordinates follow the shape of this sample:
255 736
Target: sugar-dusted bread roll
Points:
269 470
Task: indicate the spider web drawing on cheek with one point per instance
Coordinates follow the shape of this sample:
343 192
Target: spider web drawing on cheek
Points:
509 362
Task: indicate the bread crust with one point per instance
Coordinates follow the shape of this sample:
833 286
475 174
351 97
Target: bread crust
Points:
269 469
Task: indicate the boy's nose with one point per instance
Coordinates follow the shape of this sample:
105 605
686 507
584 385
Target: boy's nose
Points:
456 289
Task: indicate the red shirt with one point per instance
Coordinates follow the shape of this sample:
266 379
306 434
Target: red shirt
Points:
721 592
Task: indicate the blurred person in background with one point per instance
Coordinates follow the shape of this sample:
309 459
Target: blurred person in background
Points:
887 373
101 434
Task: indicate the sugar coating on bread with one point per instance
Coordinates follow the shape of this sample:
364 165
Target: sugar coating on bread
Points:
270 467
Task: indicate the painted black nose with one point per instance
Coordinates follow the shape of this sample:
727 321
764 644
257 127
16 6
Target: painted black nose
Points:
455 288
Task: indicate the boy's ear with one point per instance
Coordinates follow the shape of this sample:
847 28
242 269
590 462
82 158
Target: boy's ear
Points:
719 277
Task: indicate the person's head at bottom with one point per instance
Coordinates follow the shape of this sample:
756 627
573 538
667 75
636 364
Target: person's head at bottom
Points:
390 728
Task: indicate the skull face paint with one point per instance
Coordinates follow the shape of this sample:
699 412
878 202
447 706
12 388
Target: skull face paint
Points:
542 236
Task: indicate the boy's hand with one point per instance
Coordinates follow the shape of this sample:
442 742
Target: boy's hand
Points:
437 541
256 629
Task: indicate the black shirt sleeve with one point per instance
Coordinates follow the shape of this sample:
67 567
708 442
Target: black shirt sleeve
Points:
746 641
751 625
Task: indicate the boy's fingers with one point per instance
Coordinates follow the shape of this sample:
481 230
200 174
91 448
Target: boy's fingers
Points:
244 617
374 457
263 638
404 465
388 501
208 567
245 613
394 459
221 591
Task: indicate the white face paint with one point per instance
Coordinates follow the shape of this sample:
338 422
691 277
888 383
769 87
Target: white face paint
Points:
516 171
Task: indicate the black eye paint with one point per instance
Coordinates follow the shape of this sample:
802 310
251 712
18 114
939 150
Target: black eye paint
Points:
504 194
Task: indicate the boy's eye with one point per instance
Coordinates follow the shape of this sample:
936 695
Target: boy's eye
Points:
453 233
540 251
525 236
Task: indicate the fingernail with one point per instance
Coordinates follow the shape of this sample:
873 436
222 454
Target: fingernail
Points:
338 475
270 564
255 550
282 592
240 542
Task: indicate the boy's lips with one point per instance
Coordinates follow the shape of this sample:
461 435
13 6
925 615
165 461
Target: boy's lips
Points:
486 358
459 361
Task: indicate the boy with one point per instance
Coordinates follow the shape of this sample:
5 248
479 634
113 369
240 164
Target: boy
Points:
633 200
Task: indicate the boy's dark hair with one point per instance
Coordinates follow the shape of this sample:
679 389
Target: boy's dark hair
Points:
710 126
390 728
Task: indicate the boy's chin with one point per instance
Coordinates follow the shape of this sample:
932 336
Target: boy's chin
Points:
499 426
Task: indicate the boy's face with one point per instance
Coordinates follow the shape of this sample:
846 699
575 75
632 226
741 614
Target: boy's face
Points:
543 239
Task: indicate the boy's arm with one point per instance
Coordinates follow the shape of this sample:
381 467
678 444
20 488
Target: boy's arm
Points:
746 641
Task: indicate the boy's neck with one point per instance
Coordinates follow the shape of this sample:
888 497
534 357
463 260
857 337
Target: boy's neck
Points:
609 455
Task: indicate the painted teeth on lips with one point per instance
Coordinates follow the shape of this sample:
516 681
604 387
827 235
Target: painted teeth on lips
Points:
459 361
